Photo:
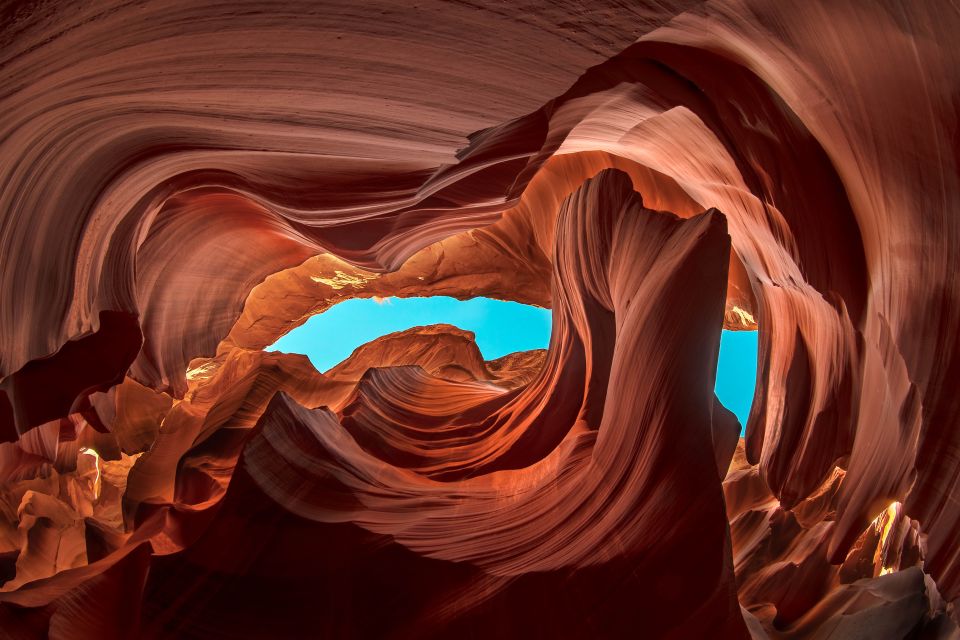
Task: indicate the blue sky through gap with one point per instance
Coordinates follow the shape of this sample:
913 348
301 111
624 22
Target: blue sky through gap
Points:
737 372
500 328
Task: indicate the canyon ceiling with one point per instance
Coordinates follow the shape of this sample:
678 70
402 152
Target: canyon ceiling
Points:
185 182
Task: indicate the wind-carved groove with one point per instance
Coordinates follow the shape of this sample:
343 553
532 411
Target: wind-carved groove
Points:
185 183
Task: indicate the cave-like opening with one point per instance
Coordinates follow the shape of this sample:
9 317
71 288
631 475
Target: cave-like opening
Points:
500 328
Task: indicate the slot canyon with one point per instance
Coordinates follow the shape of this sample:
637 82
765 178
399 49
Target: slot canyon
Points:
184 184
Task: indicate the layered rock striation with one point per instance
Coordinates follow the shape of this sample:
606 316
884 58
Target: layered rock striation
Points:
183 183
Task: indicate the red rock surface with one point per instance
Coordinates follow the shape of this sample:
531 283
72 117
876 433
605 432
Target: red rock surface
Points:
183 183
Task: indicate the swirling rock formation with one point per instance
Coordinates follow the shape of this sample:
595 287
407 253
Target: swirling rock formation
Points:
184 182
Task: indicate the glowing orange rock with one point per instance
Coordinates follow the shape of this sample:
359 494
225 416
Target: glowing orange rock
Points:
182 184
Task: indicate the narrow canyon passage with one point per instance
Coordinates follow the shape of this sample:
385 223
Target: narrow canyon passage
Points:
480 320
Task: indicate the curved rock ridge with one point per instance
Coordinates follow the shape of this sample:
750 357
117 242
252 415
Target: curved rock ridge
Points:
489 454
183 183
441 349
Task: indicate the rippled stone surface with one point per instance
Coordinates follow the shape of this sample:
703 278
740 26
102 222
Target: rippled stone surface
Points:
183 183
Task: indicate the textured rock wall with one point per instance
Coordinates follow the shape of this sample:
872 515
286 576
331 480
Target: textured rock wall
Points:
185 182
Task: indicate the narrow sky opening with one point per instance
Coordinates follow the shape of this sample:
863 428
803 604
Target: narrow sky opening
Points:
500 328
737 372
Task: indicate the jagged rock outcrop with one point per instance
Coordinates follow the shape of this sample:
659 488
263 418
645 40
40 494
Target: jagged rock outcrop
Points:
183 183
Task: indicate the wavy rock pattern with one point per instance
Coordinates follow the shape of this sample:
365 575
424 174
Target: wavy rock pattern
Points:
185 182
